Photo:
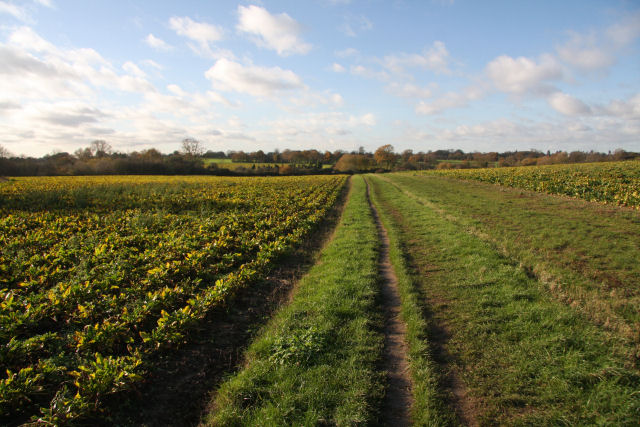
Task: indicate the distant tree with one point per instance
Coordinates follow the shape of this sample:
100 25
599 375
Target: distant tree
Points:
385 156
406 155
238 156
151 153
354 163
100 148
4 153
214 154
327 157
83 153
192 147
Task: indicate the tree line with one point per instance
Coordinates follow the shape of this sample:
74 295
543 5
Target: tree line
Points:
99 158
386 159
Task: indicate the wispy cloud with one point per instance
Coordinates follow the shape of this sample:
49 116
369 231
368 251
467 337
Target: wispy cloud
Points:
204 34
157 43
352 26
434 58
16 11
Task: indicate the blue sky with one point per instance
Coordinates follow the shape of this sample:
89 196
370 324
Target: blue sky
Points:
421 75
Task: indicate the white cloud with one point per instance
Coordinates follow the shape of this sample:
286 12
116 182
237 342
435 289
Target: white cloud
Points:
436 59
201 32
228 75
151 63
452 100
368 119
584 53
446 102
502 134
568 105
337 68
309 99
353 25
133 69
624 32
198 31
523 75
597 51
13 10
41 70
157 43
46 3
26 39
337 99
624 109
276 32
315 128
72 117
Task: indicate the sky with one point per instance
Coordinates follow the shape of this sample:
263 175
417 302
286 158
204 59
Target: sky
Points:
324 74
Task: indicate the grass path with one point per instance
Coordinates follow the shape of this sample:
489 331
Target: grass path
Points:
317 360
524 357
398 395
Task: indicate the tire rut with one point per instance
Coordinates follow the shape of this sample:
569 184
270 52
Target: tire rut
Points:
398 397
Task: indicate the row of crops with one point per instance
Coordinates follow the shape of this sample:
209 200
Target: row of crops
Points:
98 274
615 183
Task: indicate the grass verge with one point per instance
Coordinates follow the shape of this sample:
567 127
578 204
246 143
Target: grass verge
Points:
525 358
429 407
585 253
316 361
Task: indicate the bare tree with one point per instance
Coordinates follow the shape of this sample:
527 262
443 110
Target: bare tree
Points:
100 148
192 147
4 153
83 153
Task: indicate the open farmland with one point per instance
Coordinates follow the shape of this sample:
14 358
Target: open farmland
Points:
98 274
510 306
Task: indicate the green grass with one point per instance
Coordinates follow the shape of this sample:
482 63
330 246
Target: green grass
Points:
221 161
586 253
526 358
316 361
429 407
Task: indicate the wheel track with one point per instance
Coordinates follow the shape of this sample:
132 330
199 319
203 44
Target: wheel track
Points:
398 397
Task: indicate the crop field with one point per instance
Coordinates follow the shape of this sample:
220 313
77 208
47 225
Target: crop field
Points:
97 274
615 183
465 297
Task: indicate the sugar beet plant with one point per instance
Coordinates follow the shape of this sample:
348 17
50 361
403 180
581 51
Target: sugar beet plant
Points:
98 274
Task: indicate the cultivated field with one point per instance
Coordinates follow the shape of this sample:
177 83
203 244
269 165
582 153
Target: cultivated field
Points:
98 274
491 304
